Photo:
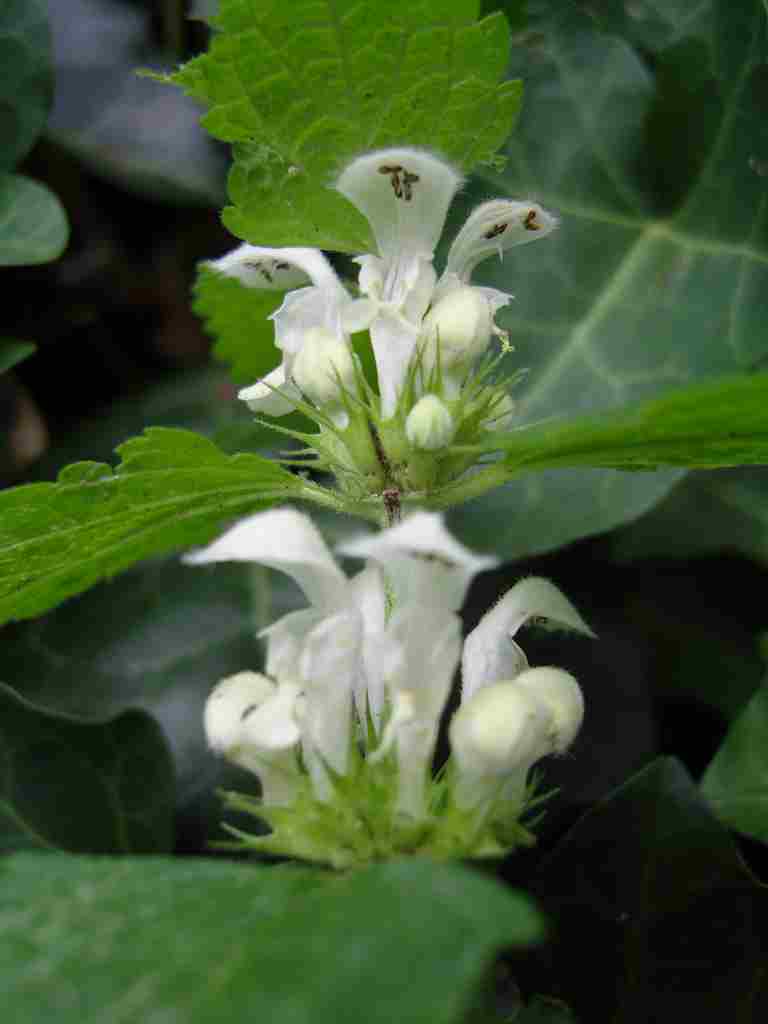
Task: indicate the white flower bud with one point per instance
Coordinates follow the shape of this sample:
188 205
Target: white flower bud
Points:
562 696
323 366
227 706
430 425
461 325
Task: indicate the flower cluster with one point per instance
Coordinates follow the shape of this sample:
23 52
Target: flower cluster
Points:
342 726
426 333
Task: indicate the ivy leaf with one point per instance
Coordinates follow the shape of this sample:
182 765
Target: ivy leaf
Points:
736 782
673 917
729 508
26 82
13 352
658 272
172 489
716 423
301 88
33 224
83 786
234 935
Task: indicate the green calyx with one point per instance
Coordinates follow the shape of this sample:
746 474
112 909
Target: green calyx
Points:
374 458
358 824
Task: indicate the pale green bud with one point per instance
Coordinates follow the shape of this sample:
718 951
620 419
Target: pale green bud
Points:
461 323
430 425
323 366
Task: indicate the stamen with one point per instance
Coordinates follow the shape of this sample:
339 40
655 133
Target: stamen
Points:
496 230
408 180
529 223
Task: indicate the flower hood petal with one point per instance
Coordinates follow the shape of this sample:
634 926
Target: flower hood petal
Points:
423 562
493 227
286 540
490 652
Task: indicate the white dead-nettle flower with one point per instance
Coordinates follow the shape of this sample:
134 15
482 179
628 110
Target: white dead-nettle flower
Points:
386 643
404 193
506 727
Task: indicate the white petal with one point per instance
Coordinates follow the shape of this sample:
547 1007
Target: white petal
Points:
304 310
405 194
490 653
494 227
272 726
562 696
424 647
424 563
271 396
256 267
393 340
368 595
286 540
330 668
229 701
285 641
495 739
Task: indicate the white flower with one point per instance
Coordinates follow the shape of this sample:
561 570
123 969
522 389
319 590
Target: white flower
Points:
250 720
386 643
506 727
405 194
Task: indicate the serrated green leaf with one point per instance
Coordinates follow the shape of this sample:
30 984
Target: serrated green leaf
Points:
13 352
236 317
736 782
33 224
172 489
302 88
658 272
674 919
25 77
713 424
83 786
233 937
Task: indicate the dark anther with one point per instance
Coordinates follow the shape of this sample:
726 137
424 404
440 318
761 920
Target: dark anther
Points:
530 221
409 180
495 231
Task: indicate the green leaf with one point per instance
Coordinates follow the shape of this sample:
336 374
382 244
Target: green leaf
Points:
83 786
172 489
179 630
674 919
33 224
13 352
542 1010
715 423
406 942
236 317
736 781
658 272
302 88
25 77
729 508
